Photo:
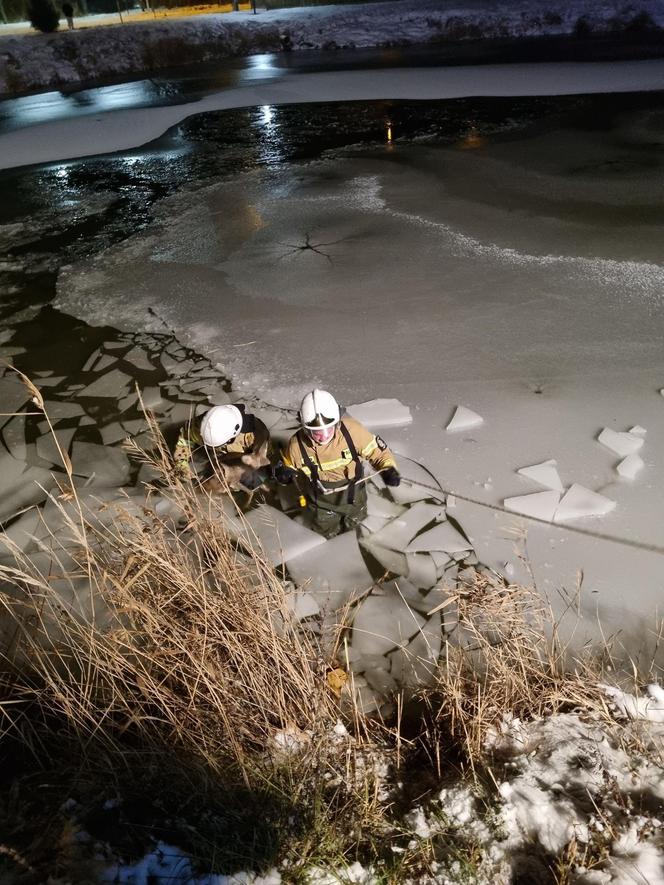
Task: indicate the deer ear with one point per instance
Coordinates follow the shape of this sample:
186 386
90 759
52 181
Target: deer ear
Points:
247 459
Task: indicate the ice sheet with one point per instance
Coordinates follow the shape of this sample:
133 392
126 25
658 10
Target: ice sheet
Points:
111 384
383 622
620 443
399 531
545 474
630 466
441 537
421 570
333 571
580 501
541 505
464 419
391 560
381 413
279 536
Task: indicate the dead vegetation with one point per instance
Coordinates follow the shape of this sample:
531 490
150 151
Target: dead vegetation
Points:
154 653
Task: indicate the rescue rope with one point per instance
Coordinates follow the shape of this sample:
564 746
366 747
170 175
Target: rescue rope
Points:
442 494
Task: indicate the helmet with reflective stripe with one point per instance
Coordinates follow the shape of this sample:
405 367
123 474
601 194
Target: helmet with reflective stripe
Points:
220 425
319 409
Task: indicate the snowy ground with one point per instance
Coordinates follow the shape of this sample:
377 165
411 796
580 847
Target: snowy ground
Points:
36 62
571 800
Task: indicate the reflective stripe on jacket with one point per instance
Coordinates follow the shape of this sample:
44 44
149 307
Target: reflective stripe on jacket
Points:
334 459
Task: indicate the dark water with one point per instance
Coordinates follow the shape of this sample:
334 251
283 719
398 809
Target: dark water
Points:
64 212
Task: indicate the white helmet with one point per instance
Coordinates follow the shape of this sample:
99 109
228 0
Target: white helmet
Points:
319 409
220 425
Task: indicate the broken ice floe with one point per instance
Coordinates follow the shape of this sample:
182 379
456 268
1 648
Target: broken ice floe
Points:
541 505
384 622
545 474
580 501
630 466
622 443
402 529
381 413
332 572
464 419
442 537
280 537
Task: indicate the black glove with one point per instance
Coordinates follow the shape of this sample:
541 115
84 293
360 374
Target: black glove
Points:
284 475
251 479
391 476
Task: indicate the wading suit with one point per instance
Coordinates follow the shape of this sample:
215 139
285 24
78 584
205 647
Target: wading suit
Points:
328 474
192 457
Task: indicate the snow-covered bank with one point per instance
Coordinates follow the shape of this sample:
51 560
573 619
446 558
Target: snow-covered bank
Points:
570 796
41 61
127 129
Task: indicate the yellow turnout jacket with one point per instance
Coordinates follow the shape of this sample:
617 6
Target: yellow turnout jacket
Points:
334 461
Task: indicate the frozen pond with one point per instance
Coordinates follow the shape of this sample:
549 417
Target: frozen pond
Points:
501 255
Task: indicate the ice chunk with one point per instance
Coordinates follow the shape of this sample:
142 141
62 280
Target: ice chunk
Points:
112 433
630 466
112 384
637 430
47 448
399 531
385 622
151 397
303 605
414 664
411 492
464 419
421 569
58 410
545 474
620 443
102 465
334 570
139 359
279 536
20 487
372 524
441 537
541 505
13 393
382 507
580 501
21 531
13 437
391 560
381 413
441 561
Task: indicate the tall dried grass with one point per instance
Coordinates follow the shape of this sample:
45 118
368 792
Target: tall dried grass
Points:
505 658
140 630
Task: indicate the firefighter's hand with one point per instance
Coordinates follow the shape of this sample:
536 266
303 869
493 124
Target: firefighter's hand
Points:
284 475
391 476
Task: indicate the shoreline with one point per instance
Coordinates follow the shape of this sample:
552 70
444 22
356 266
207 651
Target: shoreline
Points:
481 34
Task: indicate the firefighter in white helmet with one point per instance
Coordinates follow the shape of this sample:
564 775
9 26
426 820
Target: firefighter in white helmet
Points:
325 458
225 440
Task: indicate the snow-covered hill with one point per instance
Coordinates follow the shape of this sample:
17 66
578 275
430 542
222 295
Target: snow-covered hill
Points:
39 61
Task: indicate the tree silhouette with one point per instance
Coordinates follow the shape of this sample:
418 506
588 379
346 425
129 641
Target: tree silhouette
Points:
43 16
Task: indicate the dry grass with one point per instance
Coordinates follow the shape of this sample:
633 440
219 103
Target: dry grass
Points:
505 658
166 633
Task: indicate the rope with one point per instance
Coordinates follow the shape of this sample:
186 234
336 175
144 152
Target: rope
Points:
589 533
441 494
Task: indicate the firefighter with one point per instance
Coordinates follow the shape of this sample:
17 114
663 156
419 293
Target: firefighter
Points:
325 459
225 441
